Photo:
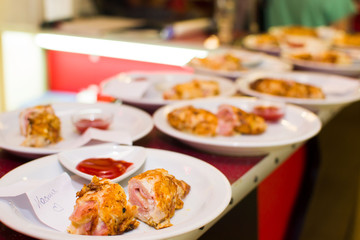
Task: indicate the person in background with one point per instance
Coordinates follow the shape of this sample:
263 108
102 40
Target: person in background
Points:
312 13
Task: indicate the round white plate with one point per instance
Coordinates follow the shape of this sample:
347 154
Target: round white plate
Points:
250 42
135 155
210 194
297 125
158 83
137 122
254 61
339 90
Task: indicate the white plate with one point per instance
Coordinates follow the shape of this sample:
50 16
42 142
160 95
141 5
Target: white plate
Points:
296 126
210 194
339 90
137 122
160 82
255 61
250 42
135 155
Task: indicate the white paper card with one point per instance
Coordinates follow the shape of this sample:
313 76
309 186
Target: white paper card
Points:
113 136
53 202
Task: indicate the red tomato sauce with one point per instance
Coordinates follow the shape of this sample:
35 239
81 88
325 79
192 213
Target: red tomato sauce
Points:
103 167
84 124
270 113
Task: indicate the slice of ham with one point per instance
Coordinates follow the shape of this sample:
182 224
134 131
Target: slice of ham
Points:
233 120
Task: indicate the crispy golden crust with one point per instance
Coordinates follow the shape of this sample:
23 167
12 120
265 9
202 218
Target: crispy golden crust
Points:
299 31
193 89
162 194
332 57
227 62
229 120
102 209
193 120
247 123
40 126
348 40
266 39
285 88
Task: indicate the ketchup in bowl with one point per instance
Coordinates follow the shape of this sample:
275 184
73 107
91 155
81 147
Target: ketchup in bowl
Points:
95 118
269 113
103 167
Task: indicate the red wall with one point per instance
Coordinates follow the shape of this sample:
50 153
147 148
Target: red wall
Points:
73 72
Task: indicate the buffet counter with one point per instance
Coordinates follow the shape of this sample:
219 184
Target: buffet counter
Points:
277 176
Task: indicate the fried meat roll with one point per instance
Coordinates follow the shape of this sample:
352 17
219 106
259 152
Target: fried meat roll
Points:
193 89
102 209
40 126
193 120
285 88
157 194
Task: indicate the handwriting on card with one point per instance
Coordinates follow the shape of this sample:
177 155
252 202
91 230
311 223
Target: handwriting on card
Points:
41 201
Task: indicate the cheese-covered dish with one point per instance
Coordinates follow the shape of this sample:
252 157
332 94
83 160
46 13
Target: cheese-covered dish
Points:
293 30
333 57
266 39
40 126
227 121
226 62
157 194
102 209
195 88
193 120
287 88
348 40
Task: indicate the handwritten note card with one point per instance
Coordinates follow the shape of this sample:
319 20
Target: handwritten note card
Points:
53 202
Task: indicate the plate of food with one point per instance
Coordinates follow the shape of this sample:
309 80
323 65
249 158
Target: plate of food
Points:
329 61
264 42
233 63
193 194
308 89
234 126
48 129
159 89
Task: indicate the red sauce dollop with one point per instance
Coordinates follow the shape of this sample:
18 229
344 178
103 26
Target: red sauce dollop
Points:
103 167
84 124
269 113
